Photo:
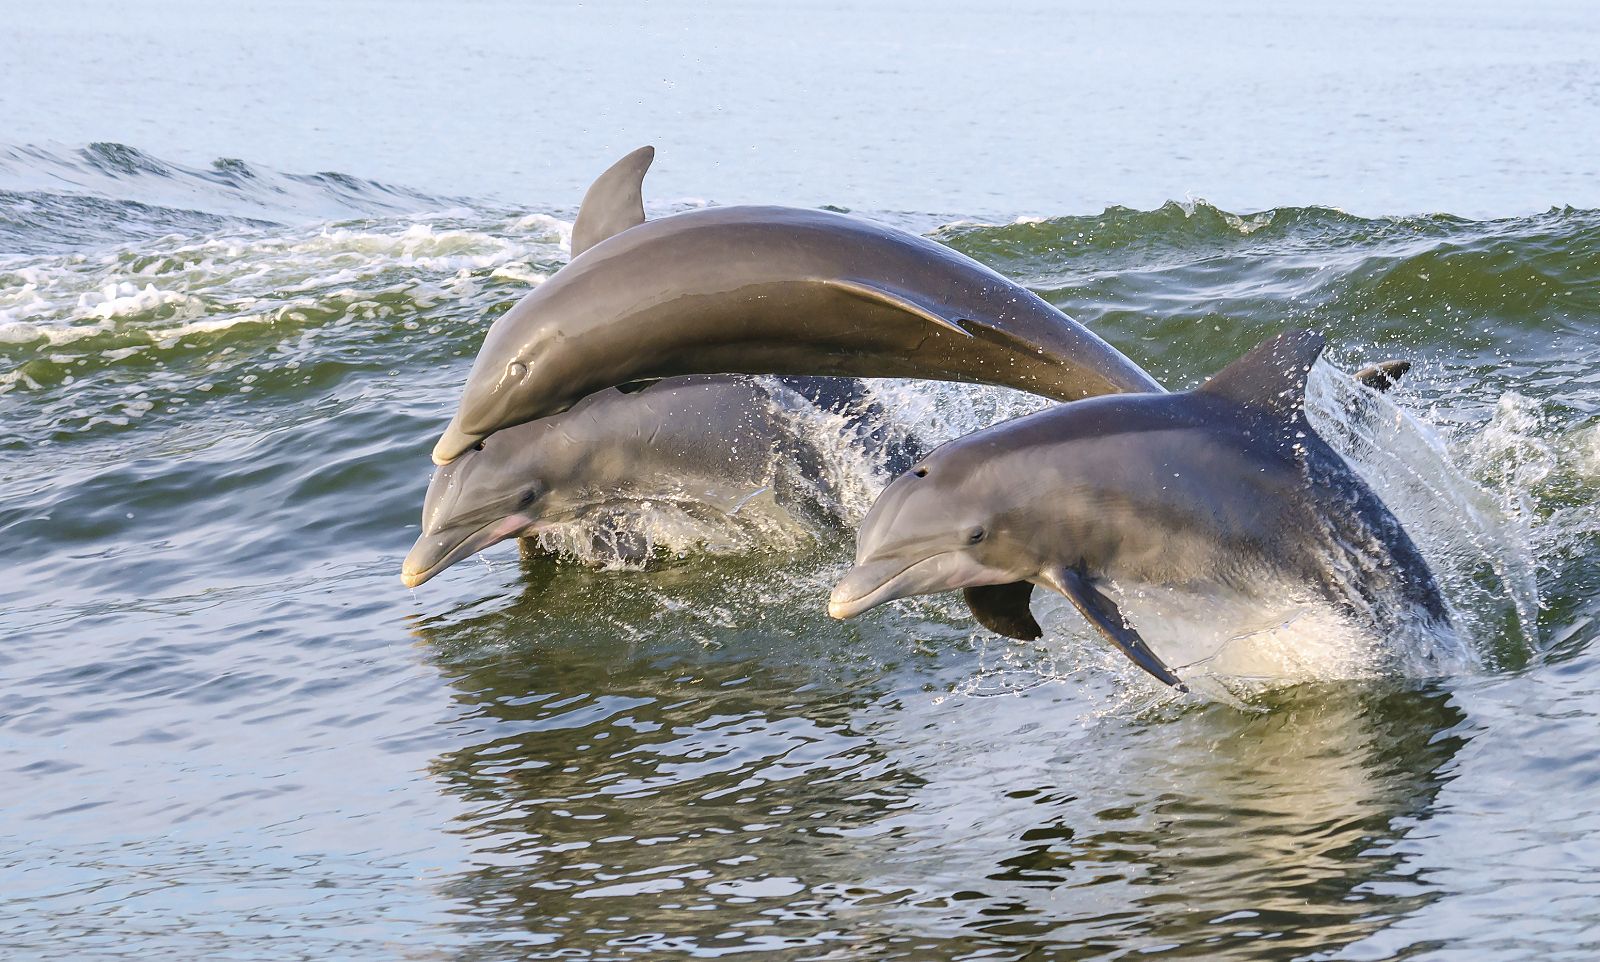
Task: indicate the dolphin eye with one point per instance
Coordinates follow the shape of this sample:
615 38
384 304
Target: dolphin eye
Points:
920 472
976 535
528 497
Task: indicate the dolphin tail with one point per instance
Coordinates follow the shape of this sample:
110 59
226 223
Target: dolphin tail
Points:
1383 375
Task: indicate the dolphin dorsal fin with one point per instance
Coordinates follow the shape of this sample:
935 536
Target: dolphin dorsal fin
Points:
915 304
1272 376
614 203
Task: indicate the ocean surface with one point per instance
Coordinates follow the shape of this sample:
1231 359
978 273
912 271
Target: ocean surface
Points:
228 732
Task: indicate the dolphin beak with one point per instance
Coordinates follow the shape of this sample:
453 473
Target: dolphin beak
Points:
435 552
453 444
866 586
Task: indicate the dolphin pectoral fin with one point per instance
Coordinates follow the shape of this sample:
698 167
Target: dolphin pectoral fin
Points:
901 300
1383 375
614 202
1003 609
1103 613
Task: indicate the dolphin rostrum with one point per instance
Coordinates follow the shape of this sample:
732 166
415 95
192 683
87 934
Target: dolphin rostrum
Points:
705 443
764 290
1225 485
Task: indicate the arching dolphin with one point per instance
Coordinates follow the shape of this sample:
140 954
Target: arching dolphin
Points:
765 290
1226 484
708 442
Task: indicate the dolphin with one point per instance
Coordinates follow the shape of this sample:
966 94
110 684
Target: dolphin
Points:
706 442
764 290
1226 485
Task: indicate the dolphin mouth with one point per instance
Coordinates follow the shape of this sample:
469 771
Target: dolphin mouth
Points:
865 587
453 444
434 553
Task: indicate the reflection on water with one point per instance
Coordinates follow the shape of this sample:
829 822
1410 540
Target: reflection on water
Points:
646 792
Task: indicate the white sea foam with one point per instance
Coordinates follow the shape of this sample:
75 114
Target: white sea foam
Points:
1283 636
123 299
1586 445
622 533
174 288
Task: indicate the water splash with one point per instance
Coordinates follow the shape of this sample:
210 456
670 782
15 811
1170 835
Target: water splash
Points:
1478 545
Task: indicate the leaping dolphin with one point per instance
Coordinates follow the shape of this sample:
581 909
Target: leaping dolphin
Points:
764 290
704 443
1225 485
